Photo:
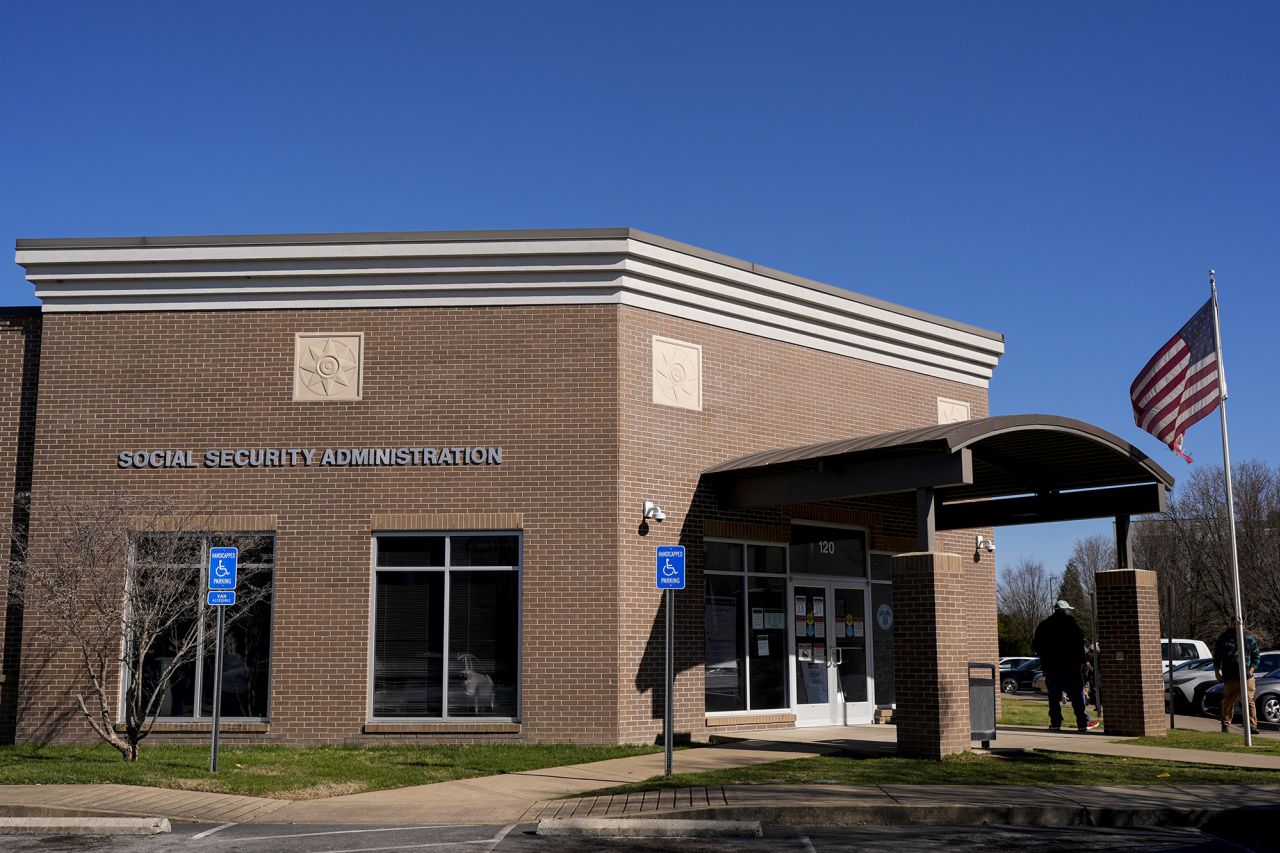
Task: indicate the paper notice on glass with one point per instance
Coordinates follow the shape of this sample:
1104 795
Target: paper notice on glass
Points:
859 628
804 652
820 628
802 606
762 645
775 620
757 618
819 653
818 609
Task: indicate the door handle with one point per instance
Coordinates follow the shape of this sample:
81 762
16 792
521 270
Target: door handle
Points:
837 656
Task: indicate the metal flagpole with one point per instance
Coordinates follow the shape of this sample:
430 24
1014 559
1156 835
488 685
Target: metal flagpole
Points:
1246 700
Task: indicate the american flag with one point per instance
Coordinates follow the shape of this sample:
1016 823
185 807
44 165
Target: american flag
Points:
1179 385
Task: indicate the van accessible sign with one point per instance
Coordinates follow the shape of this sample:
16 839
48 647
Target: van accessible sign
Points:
299 457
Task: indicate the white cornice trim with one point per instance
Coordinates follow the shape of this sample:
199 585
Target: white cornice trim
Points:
612 269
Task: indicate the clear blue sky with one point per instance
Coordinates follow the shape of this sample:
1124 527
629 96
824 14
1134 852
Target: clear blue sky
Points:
1062 173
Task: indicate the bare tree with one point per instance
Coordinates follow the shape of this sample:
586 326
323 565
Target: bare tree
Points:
1025 595
115 580
1190 548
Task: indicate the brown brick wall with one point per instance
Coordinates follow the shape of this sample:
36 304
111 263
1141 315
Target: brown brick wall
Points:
19 369
1129 671
539 381
565 390
931 638
758 394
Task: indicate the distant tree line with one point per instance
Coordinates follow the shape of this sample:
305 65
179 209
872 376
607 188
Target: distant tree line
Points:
1189 549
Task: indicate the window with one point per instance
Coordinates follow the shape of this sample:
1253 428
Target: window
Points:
833 551
882 629
746 627
446 635
246 645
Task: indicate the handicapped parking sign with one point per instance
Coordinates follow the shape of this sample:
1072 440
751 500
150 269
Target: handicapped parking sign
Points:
222 567
670 567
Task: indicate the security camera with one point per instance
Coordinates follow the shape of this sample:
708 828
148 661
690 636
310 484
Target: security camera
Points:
653 512
984 544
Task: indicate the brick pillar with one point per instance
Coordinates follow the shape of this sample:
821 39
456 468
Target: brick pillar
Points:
1129 669
930 642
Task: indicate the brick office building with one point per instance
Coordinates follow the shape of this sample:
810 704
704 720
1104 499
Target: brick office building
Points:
440 445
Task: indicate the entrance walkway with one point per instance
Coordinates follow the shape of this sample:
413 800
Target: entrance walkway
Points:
882 740
523 797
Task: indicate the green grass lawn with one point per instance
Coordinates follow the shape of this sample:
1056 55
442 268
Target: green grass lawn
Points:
1213 741
1029 768
1035 712
293 773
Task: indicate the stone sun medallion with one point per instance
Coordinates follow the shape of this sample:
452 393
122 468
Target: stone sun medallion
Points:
328 366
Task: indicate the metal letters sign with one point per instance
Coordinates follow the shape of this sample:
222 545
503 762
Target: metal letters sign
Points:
222 568
221 597
670 567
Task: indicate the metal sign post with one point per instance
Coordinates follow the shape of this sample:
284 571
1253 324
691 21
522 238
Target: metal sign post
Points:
669 576
223 563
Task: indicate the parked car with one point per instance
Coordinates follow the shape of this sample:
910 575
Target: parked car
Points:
1181 651
1015 678
1184 685
1267 696
1010 663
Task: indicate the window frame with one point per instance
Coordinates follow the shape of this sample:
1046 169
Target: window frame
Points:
201 602
745 616
447 569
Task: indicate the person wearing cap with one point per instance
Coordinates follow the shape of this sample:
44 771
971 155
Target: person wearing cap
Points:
1060 644
1226 668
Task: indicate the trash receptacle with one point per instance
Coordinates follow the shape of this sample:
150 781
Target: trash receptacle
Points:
982 702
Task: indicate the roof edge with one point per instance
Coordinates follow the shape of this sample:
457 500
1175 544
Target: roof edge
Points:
535 234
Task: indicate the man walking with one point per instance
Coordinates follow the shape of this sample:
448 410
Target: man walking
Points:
1226 666
1060 644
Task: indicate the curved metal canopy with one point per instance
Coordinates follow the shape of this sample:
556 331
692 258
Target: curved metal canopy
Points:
1007 469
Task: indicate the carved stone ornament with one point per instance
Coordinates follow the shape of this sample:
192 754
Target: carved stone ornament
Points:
677 374
952 411
328 366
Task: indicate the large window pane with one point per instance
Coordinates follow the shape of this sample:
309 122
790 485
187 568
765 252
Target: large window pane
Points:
179 697
767 558
410 551
408 644
882 641
828 551
767 643
723 556
484 620
725 670
484 550
246 653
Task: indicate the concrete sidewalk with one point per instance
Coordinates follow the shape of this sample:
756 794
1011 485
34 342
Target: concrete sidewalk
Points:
528 796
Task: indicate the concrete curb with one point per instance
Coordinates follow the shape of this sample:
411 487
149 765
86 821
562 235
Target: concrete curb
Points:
958 814
84 825
595 827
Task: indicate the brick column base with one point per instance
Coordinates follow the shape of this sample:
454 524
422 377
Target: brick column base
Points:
930 641
1129 671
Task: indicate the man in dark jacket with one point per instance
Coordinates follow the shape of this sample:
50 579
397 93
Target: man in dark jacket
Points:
1226 666
1060 644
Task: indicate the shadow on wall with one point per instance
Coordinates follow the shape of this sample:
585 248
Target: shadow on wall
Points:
689 616
28 322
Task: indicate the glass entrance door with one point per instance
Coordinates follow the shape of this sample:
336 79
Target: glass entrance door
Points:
829 651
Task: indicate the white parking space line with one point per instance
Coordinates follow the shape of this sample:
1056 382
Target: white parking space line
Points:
410 846
360 831
497 839
808 845
209 832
